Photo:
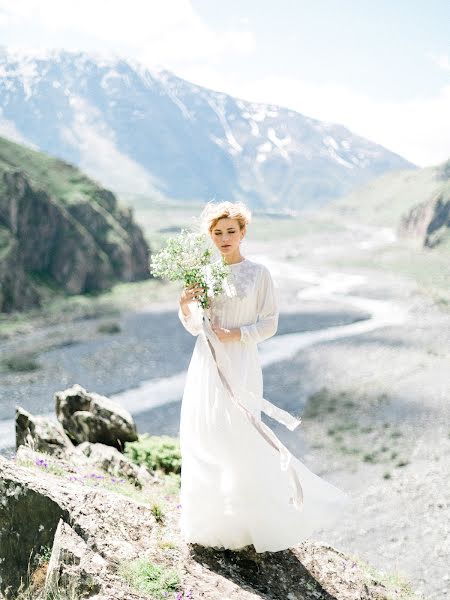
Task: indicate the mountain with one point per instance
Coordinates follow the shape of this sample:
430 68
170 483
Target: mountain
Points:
147 131
60 231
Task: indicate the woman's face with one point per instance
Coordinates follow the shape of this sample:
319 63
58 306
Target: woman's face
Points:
227 236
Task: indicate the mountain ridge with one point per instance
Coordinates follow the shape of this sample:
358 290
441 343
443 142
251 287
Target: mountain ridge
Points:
173 138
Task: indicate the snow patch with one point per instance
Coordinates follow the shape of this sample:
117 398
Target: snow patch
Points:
279 143
255 128
234 147
266 147
330 141
171 91
335 156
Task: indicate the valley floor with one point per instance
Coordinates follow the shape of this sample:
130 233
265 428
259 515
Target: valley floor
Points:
375 405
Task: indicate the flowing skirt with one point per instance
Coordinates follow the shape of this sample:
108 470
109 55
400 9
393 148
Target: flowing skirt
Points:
233 490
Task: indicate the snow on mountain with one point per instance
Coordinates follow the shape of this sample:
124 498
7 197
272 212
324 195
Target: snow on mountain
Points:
149 131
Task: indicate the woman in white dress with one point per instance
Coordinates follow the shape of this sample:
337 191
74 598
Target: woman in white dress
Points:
239 484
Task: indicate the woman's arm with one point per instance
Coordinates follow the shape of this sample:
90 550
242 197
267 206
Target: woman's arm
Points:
267 306
190 312
193 322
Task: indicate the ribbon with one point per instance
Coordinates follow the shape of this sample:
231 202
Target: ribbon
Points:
222 363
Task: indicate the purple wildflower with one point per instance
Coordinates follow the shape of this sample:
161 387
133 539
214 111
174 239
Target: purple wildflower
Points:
40 462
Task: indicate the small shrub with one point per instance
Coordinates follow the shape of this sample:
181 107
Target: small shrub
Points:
396 434
157 512
109 328
156 453
21 362
370 457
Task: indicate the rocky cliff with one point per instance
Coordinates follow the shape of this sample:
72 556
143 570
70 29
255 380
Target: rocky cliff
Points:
429 221
60 230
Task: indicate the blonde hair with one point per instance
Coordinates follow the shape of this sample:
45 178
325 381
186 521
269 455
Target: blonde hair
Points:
215 211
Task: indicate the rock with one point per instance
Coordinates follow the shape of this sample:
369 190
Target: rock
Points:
73 567
90 417
105 529
113 462
429 221
92 530
41 434
58 224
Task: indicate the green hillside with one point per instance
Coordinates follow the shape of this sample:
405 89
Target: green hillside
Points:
58 178
60 230
387 198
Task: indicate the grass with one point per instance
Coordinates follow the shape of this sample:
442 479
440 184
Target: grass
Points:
58 308
150 578
20 363
33 587
156 453
396 583
109 328
343 417
155 496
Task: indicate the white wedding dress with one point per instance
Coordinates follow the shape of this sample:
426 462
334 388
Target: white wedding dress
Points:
237 486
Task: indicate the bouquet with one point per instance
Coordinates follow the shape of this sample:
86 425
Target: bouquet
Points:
187 257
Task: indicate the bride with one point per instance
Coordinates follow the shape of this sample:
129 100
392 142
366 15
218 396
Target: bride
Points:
239 484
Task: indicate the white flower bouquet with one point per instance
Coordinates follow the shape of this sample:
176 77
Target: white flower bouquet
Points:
188 257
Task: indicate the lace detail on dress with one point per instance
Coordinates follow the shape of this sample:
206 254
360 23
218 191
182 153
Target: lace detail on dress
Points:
241 280
238 285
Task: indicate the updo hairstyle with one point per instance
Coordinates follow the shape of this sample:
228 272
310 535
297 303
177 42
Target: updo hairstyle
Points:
215 211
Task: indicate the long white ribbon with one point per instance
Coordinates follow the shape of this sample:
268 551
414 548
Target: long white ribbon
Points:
226 374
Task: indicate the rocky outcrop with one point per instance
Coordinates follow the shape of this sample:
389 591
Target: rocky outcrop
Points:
90 417
96 528
429 221
41 434
110 461
93 532
103 529
70 234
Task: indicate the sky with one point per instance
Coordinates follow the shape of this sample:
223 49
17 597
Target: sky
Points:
381 68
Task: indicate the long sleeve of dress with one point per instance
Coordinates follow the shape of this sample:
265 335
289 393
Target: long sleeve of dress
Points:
194 322
267 308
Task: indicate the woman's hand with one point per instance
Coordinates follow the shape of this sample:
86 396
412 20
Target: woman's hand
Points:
227 335
190 293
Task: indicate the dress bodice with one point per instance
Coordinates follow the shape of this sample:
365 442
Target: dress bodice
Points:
248 301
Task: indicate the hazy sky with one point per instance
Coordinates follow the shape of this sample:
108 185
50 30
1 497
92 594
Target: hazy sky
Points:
381 68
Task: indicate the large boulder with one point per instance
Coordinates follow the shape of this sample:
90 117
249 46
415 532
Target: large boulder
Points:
41 434
90 417
112 462
73 566
105 529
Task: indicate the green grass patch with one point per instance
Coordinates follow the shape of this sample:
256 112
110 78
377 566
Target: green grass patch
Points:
347 427
109 328
144 576
18 363
156 453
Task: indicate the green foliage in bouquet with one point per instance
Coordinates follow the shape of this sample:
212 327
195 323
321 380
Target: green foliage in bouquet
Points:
188 257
